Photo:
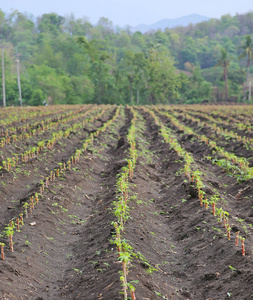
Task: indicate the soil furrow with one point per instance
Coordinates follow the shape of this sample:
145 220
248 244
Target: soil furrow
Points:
30 131
94 254
230 127
47 254
205 258
239 148
180 251
17 187
218 182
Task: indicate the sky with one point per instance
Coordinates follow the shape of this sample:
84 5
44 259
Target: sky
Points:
129 12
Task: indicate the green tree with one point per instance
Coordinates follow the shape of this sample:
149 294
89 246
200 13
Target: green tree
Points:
75 27
128 65
49 82
194 87
188 52
224 62
79 90
140 71
247 48
37 97
163 80
50 23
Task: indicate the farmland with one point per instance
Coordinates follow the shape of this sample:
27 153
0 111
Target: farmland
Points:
134 202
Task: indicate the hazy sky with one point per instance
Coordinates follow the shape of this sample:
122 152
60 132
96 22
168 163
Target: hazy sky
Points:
130 12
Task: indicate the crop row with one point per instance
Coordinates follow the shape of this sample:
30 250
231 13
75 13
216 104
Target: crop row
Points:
245 170
19 115
121 209
237 111
220 131
16 223
243 124
14 134
195 176
10 163
239 165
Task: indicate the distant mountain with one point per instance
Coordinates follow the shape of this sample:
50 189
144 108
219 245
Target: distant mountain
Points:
170 23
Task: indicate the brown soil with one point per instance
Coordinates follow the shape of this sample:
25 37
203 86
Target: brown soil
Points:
68 253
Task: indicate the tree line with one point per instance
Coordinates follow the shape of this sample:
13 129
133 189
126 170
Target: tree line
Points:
65 60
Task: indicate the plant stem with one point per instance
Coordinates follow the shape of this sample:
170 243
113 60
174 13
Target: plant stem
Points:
237 238
2 252
243 247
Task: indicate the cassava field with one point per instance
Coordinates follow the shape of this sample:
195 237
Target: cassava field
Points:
112 202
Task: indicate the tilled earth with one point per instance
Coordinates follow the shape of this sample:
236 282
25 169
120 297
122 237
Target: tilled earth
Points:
64 250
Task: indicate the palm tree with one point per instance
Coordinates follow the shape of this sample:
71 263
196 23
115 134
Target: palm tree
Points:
223 62
247 48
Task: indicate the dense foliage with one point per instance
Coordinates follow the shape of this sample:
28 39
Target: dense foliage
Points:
70 61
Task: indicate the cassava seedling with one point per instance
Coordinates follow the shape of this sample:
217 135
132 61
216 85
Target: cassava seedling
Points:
243 246
225 218
214 199
201 198
220 213
124 258
36 198
2 250
32 202
47 182
206 202
9 232
21 219
118 239
228 231
237 238
130 167
17 223
132 289
26 205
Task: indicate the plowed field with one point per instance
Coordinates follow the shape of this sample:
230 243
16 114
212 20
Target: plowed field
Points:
107 202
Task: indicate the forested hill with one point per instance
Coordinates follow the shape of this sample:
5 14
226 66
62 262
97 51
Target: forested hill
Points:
68 60
170 23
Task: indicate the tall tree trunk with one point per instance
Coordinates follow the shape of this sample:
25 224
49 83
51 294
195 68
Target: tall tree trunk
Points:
137 96
4 94
226 82
100 93
247 80
249 91
131 93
